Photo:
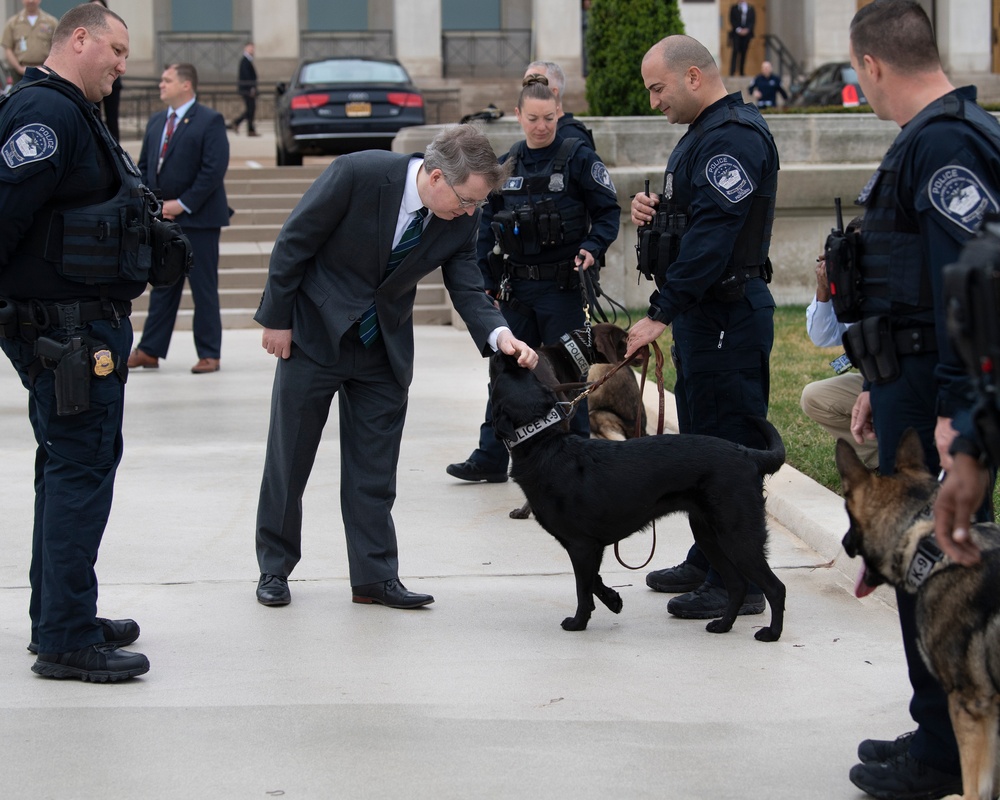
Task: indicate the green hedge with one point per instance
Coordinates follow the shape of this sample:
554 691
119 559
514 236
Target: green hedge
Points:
619 32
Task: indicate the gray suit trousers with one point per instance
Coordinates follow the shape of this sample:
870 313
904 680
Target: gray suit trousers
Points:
372 412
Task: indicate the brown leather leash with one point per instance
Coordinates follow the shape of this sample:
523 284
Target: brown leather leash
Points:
658 371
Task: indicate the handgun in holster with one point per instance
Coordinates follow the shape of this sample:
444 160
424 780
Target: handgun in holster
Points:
70 361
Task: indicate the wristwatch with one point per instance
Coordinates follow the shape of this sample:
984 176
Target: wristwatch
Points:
657 314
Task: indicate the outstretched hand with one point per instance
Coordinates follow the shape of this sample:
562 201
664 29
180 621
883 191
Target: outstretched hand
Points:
508 344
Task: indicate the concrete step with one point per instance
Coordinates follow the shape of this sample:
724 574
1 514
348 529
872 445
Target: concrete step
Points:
247 232
239 304
263 201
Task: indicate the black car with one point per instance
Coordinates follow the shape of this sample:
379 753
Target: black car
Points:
339 105
832 84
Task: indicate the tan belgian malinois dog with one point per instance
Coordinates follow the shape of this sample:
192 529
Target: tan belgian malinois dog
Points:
958 608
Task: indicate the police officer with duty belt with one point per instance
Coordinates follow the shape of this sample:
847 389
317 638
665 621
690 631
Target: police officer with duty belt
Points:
80 242
705 242
931 193
556 215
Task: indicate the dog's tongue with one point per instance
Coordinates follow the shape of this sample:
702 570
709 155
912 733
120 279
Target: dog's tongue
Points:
861 586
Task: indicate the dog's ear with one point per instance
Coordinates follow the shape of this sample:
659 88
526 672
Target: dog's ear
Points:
852 471
610 341
910 453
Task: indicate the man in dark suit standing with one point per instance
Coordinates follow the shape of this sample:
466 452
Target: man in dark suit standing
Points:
337 312
184 157
741 21
247 87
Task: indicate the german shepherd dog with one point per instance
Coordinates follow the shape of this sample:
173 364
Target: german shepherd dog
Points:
614 405
590 493
958 608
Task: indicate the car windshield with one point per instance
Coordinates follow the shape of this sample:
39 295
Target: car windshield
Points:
351 70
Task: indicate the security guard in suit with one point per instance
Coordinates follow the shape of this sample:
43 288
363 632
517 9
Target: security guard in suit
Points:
556 214
705 242
75 252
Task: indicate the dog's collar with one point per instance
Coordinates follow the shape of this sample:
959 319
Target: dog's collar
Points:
558 413
568 341
927 556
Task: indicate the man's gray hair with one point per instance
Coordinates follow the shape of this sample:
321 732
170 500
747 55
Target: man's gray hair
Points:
555 74
462 151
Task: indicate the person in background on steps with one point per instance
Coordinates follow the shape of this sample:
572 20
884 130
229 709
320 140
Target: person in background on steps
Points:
184 158
247 87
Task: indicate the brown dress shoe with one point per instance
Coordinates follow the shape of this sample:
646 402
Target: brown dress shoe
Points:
205 365
139 358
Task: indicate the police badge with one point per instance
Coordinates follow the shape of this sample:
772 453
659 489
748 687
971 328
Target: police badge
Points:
556 182
104 364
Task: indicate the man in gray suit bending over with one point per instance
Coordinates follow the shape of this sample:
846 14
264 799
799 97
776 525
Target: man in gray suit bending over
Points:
337 312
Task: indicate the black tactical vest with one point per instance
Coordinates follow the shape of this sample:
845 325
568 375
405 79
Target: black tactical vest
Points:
890 243
108 242
754 240
541 192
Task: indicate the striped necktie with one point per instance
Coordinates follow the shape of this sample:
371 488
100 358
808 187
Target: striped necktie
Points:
411 238
171 121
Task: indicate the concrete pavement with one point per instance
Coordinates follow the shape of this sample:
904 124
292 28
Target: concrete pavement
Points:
481 694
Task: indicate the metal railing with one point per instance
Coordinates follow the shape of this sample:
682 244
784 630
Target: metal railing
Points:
781 59
477 54
215 55
317 44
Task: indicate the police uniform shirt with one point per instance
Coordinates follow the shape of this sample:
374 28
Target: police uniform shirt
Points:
714 176
945 189
49 157
30 43
588 182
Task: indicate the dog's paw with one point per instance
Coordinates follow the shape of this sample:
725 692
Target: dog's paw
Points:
520 513
767 635
613 601
574 624
719 626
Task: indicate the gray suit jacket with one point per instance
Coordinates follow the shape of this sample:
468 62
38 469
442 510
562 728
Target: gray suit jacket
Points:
329 262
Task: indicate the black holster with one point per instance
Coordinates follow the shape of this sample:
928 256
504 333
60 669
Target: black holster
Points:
70 361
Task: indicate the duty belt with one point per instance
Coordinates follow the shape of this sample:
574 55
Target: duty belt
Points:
539 272
29 318
914 340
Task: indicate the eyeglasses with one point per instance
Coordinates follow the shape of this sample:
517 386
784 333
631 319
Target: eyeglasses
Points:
463 203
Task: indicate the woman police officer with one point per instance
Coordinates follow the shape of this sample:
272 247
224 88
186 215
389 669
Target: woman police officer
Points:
555 216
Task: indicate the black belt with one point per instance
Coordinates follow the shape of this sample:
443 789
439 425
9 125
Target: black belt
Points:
914 340
34 316
539 272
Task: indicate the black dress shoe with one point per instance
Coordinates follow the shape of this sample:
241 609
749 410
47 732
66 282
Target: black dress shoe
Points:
99 663
471 471
390 593
117 632
272 590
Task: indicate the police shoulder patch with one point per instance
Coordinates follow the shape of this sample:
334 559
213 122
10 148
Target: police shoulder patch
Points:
958 194
727 176
35 142
600 174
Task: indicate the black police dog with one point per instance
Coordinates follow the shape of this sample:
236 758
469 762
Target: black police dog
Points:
614 405
590 493
958 608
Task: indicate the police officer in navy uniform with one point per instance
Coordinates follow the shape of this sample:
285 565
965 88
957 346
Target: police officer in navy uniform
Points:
556 215
933 189
70 263
711 272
